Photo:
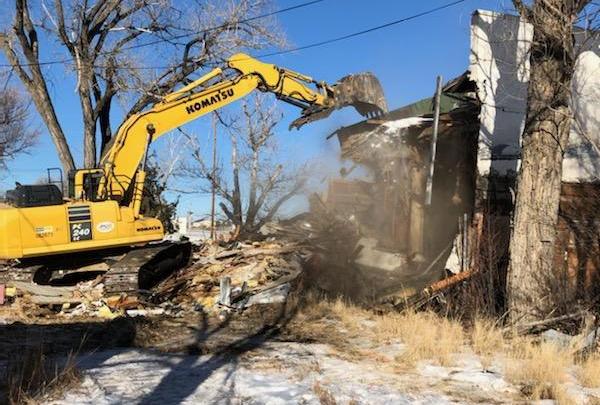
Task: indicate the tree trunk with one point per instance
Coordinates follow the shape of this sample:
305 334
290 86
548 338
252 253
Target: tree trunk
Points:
35 82
104 121
89 121
253 208
545 138
236 201
41 99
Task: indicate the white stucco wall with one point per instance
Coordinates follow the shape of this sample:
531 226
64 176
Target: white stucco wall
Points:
499 64
582 160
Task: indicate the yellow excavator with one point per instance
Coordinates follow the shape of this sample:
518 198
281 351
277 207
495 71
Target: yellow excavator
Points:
99 227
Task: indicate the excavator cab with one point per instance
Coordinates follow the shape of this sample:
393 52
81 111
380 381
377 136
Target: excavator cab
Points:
83 184
37 195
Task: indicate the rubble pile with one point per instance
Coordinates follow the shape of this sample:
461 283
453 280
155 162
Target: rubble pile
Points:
332 240
221 276
347 259
326 247
234 276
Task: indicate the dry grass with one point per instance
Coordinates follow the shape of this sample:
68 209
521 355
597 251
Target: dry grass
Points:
589 372
324 320
486 340
32 377
426 336
318 308
540 369
324 395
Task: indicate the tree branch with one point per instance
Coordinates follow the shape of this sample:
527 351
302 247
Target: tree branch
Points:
522 9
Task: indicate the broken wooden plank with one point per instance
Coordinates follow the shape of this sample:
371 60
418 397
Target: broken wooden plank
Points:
227 253
545 323
48 300
269 251
225 291
448 282
43 290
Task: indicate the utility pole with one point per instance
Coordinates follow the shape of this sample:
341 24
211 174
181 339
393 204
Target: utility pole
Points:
436 121
419 202
214 172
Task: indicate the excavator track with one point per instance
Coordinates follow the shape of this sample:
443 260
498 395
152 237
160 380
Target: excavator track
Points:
17 272
142 268
126 271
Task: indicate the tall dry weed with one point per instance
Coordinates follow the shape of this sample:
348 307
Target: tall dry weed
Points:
540 369
32 376
589 372
426 336
486 340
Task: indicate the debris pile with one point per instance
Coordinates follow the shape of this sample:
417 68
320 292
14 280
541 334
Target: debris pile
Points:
333 242
346 259
325 246
225 276
234 276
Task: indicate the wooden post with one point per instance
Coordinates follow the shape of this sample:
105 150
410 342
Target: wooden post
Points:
214 172
436 121
465 243
417 211
225 291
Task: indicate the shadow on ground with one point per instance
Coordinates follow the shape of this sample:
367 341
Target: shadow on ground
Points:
223 338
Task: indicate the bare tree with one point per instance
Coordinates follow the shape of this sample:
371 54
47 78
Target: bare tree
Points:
16 134
255 189
544 141
109 45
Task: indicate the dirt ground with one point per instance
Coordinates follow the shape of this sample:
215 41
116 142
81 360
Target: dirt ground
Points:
308 348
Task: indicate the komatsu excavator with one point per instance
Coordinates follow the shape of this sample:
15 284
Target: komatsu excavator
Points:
99 227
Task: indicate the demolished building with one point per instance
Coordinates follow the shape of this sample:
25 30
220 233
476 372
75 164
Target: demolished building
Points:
482 113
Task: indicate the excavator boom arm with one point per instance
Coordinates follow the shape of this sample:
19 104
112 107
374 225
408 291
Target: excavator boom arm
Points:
122 160
129 149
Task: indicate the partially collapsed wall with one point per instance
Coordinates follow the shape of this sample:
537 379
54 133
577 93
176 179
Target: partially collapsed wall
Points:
405 241
481 121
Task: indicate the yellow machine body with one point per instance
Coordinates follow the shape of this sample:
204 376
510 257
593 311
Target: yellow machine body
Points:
72 227
103 209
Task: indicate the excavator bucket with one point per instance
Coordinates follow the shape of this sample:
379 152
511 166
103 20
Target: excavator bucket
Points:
361 91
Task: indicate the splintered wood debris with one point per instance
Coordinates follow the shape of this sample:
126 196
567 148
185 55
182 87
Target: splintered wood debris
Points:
250 268
256 273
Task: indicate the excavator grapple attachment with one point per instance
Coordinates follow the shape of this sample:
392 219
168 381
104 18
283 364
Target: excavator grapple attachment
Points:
361 91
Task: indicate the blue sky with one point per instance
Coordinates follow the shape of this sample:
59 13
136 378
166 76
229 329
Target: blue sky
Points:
406 58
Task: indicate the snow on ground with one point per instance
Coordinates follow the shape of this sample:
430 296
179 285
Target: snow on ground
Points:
279 373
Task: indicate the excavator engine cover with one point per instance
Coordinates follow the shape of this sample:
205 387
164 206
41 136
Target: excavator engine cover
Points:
361 91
